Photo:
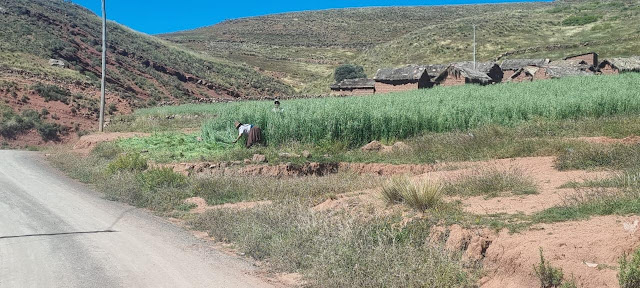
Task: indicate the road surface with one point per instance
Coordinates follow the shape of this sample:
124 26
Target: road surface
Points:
55 232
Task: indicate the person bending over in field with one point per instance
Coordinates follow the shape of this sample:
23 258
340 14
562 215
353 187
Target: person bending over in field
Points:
253 133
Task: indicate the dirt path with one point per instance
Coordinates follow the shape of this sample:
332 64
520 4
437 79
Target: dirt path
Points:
55 232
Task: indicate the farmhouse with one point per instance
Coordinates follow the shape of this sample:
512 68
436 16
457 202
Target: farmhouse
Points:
456 75
410 77
349 87
435 70
492 69
619 65
565 71
590 58
528 73
510 66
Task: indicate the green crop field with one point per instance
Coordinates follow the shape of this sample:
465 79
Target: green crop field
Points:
358 120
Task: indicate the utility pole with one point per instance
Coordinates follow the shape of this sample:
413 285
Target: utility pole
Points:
474 47
104 64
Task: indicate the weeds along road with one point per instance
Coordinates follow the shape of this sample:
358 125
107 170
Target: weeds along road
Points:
55 232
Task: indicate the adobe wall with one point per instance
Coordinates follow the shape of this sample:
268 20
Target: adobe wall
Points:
388 88
589 58
508 74
541 74
452 80
522 77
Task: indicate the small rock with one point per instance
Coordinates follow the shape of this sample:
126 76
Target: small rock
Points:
289 155
247 161
199 139
259 158
306 154
56 62
144 151
236 163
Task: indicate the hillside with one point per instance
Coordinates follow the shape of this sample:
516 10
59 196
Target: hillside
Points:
303 48
142 70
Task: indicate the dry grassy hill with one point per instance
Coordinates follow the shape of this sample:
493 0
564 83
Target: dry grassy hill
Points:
303 48
142 70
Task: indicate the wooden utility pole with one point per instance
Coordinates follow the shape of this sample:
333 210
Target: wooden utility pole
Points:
474 47
104 64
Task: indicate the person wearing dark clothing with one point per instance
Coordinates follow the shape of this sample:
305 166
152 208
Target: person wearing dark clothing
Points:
253 133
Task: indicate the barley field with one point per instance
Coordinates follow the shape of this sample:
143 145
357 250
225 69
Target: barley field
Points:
359 120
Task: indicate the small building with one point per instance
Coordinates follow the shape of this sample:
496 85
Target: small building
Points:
510 66
406 78
435 70
457 75
492 69
351 87
591 58
555 72
619 65
528 73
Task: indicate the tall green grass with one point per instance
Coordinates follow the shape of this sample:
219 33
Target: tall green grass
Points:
358 120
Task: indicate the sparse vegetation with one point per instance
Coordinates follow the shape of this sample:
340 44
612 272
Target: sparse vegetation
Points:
629 272
52 93
550 277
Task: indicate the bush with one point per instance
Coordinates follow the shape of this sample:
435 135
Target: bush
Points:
52 93
629 274
49 131
349 71
128 162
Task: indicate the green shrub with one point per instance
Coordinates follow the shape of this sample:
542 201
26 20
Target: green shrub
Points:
392 190
49 131
131 162
629 273
550 277
348 71
52 93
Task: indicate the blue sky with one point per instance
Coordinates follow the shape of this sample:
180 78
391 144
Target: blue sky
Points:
154 17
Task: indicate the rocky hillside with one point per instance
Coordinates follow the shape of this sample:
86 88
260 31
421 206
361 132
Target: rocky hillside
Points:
303 48
142 70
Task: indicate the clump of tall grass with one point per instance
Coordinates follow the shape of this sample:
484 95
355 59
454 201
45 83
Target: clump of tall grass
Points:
629 272
420 196
551 277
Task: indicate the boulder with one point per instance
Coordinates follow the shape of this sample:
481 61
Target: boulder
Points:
289 155
306 154
400 147
56 62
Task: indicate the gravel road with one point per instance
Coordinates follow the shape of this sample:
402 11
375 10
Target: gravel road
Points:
55 232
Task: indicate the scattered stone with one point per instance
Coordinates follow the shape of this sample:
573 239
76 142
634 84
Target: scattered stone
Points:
247 161
306 154
374 146
259 158
56 62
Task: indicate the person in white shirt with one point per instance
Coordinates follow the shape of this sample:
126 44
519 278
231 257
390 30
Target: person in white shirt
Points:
253 133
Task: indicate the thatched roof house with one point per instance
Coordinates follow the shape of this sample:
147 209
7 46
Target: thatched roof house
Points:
565 71
348 87
517 64
435 70
409 77
457 75
492 69
619 65
591 58
527 73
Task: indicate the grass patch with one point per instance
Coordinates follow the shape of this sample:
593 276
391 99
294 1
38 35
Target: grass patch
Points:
593 156
579 20
338 251
174 146
492 183
551 277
